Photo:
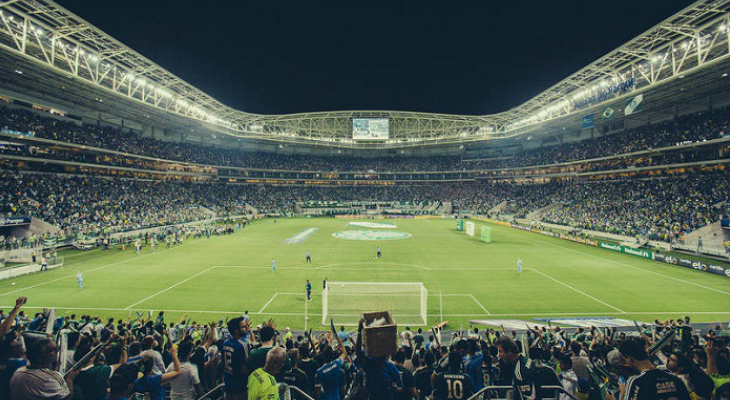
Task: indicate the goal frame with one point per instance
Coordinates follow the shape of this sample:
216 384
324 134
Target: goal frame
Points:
326 313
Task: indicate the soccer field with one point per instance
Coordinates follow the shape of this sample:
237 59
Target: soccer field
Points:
211 279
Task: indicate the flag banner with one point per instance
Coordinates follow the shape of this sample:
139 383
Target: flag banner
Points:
587 121
634 105
607 113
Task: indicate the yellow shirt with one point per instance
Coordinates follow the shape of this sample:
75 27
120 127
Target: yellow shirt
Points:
262 386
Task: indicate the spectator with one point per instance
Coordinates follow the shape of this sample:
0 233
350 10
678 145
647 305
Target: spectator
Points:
651 383
261 382
151 383
38 380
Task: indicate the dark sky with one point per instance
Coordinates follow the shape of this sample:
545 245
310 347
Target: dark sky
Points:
460 57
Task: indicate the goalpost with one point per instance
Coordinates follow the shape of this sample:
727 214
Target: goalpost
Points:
345 302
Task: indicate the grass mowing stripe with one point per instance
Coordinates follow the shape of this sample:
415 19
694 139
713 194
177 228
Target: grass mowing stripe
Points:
73 275
171 287
579 291
632 267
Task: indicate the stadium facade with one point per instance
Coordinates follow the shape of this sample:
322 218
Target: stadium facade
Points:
55 59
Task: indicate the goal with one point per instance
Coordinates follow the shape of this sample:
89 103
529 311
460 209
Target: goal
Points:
345 302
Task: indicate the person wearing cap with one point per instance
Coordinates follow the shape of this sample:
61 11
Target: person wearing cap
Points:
650 383
287 334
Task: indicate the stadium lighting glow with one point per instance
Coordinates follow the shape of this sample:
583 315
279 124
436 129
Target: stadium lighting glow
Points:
722 28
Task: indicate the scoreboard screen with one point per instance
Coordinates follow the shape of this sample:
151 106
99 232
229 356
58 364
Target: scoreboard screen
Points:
370 129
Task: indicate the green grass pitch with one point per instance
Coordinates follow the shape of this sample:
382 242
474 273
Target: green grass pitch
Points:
209 279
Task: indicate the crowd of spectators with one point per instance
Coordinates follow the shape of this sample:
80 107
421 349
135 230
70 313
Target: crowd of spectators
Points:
112 359
94 206
685 129
691 128
663 208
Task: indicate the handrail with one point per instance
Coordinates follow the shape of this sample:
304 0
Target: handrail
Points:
294 388
211 391
485 389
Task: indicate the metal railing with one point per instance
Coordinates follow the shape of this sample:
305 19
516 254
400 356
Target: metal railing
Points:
285 392
218 391
487 393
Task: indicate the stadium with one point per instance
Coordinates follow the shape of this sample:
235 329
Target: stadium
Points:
558 248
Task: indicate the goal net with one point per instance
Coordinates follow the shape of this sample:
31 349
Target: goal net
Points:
345 302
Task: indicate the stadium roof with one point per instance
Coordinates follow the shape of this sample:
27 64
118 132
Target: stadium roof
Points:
52 38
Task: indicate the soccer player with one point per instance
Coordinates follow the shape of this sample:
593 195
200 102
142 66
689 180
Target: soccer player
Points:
377 253
519 266
80 280
309 257
309 291
137 245
324 284
453 384
273 265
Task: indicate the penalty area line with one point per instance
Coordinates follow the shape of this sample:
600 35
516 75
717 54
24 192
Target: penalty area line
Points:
479 303
579 291
171 287
267 304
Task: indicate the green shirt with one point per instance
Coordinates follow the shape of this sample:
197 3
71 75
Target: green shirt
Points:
257 359
262 386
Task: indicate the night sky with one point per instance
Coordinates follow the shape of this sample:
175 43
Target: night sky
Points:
456 57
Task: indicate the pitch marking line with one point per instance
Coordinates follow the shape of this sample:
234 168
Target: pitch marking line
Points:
171 287
479 303
446 315
93 269
267 304
633 267
74 275
579 291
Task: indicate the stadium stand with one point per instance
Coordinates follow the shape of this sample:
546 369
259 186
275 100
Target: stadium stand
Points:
672 358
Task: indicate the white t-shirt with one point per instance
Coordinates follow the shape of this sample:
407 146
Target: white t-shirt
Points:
159 366
183 386
404 336
30 384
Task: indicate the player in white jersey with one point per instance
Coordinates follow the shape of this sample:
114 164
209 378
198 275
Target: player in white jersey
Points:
519 266
80 280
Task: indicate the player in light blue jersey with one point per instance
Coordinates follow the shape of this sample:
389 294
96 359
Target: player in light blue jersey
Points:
273 266
519 266
80 280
